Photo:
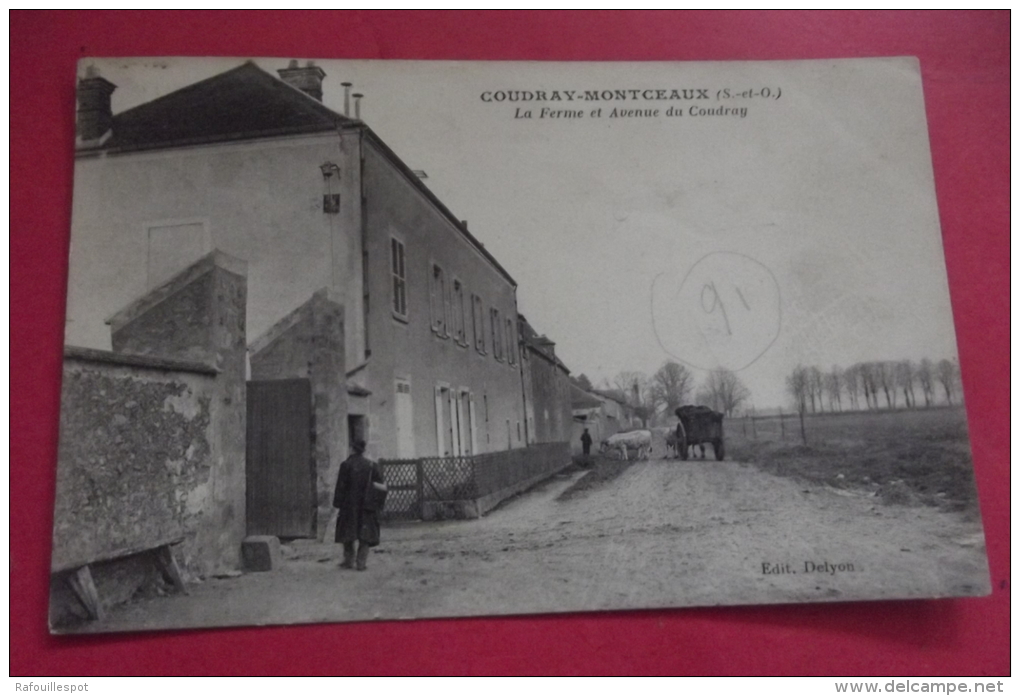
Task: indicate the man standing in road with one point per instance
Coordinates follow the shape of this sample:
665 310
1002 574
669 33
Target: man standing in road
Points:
586 443
359 497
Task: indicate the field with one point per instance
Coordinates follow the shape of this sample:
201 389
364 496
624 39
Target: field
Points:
907 457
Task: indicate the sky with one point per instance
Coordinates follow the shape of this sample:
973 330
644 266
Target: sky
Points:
786 216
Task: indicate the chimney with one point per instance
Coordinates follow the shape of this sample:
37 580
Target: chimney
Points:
347 98
357 105
307 79
95 118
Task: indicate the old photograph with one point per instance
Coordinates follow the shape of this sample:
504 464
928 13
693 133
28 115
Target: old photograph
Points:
363 340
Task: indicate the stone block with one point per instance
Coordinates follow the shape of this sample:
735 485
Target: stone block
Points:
260 553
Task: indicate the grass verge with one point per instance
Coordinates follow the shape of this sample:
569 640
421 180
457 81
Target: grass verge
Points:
601 470
903 457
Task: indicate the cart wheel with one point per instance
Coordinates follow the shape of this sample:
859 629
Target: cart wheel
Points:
720 450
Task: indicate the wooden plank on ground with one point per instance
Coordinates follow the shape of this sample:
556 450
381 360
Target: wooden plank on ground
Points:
83 587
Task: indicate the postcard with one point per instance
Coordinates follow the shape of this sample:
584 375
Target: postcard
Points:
363 340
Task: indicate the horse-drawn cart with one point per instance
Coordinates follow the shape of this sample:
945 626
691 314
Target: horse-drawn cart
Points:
699 425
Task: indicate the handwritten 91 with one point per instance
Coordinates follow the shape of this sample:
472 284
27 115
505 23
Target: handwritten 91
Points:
725 312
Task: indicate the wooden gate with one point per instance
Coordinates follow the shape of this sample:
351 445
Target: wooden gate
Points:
281 496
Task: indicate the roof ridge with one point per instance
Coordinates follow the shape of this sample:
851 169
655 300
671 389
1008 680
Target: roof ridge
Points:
244 102
194 86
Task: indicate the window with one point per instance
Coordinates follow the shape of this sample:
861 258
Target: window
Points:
399 277
497 334
459 320
478 321
439 301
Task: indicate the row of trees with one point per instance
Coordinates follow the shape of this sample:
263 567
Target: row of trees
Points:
877 384
674 385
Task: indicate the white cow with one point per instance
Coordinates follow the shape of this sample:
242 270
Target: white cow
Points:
640 440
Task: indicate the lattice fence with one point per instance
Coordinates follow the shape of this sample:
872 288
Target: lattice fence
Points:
414 481
447 478
404 499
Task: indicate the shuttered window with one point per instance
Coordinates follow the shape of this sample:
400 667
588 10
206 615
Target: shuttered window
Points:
459 320
399 277
511 343
438 300
497 334
478 321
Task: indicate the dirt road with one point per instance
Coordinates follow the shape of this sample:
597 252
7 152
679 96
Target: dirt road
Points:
663 534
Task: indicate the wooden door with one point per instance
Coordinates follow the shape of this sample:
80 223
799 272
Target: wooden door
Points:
280 475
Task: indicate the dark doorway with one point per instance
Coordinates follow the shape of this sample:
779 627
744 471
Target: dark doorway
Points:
280 474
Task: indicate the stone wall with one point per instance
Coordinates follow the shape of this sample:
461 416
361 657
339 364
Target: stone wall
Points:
200 315
152 440
135 457
153 434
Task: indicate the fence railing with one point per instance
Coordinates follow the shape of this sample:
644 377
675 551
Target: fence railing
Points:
415 482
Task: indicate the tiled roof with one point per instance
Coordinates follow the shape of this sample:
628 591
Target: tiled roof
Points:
579 398
243 103
539 344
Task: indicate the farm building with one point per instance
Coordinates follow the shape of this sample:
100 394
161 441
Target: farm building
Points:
547 387
258 168
368 307
603 412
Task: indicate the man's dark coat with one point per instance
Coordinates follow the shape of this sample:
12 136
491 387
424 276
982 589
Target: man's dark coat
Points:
353 521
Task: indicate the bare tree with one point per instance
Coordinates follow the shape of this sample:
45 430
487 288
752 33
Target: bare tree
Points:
947 374
926 378
704 397
671 386
871 379
816 387
864 370
834 381
853 385
724 391
873 376
886 374
797 386
905 381
633 385
637 390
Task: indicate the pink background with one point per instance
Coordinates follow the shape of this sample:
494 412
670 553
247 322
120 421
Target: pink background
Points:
965 66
